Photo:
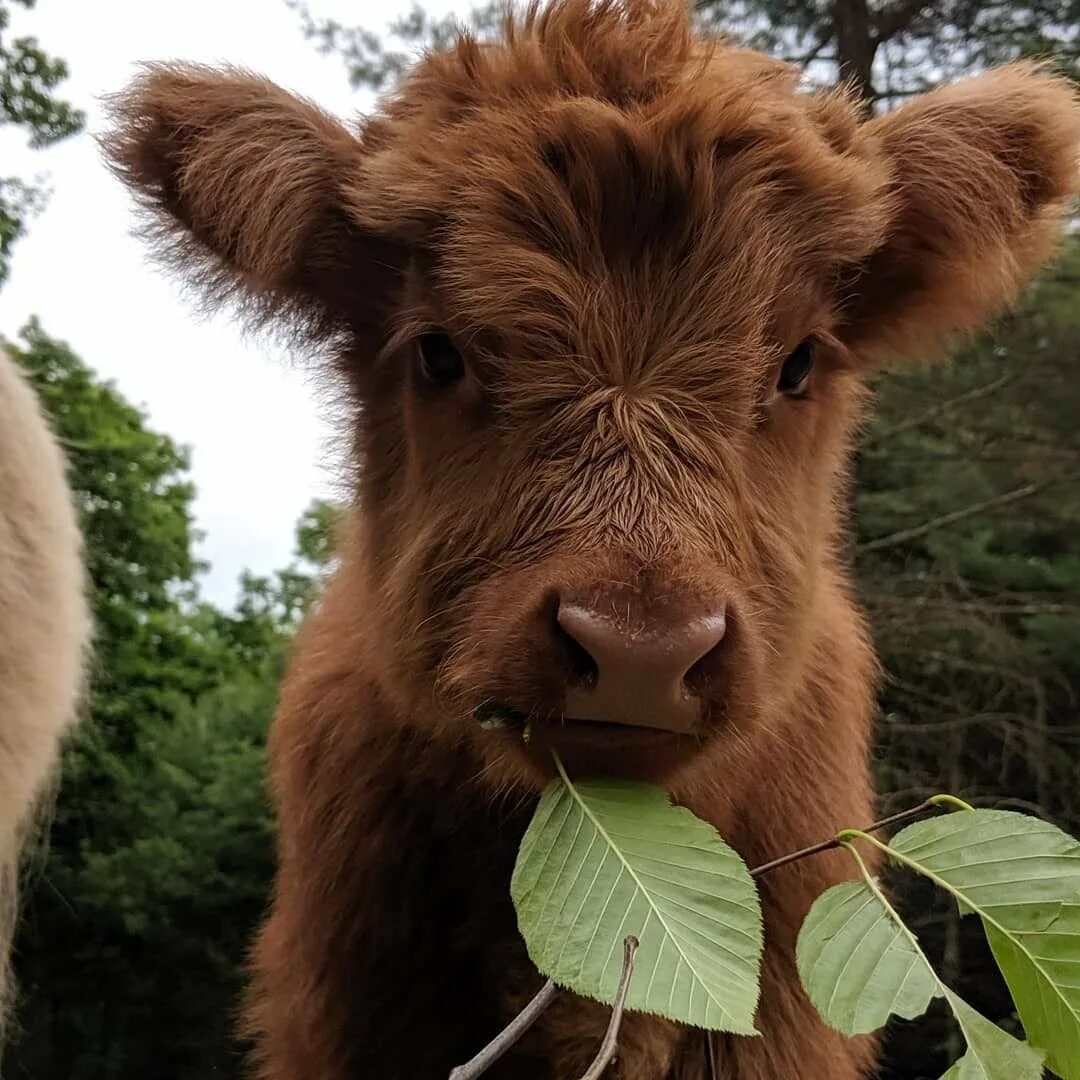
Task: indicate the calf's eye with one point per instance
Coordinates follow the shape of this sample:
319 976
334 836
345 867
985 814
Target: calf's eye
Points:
439 362
795 373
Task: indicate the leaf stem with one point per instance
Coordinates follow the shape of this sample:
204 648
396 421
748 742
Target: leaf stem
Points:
608 1047
950 801
508 1036
836 841
883 900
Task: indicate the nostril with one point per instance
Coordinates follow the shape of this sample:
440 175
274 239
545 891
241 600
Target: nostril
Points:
638 665
711 639
581 668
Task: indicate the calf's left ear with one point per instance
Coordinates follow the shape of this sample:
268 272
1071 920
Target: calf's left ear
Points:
981 175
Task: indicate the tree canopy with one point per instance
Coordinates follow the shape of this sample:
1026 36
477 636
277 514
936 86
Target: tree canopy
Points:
28 79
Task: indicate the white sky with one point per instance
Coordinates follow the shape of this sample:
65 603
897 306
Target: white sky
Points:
259 450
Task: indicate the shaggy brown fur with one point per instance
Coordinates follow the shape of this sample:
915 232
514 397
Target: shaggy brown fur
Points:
625 230
43 625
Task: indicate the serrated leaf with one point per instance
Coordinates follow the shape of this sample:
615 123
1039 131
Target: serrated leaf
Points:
1022 877
860 964
602 859
991 1052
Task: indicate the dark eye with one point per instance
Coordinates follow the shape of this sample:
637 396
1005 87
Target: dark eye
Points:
439 361
795 373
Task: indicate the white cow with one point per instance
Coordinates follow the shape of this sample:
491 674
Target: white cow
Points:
44 627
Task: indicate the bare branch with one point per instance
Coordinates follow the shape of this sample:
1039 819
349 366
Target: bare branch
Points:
611 1037
508 1036
828 845
938 727
946 406
814 53
897 17
713 1066
912 603
904 535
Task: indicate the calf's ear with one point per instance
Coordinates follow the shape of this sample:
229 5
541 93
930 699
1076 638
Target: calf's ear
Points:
981 175
241 184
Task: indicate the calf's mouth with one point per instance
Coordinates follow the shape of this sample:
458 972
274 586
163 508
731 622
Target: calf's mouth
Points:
591 747
583 728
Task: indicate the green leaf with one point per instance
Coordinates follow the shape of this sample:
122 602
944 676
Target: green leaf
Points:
992 1053
860 964
1022 877
602 859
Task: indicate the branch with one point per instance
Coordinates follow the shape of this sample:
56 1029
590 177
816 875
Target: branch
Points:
611 1037
896 18
912 603
829 845
944 406
509 1034
1009 497
810 56
711 1063
1013 721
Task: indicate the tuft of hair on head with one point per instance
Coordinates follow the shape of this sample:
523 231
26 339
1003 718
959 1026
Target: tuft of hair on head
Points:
258 196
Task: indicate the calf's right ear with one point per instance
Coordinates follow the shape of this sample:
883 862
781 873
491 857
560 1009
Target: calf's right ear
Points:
982 172
241 186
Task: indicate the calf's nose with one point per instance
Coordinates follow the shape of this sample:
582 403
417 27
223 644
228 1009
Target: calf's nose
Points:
639 667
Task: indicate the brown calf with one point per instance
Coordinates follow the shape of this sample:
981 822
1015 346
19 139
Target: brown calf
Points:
601 300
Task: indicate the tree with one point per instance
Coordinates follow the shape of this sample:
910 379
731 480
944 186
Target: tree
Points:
891 49
886 50
28 77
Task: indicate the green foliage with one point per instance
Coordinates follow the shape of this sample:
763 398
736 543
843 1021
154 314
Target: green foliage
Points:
28 77
603 859
991 1053
894 49
1022 878
378 62
859 964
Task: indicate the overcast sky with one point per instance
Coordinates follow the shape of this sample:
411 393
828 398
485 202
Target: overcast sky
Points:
259 450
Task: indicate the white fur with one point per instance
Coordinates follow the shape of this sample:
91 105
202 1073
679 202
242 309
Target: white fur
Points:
44 625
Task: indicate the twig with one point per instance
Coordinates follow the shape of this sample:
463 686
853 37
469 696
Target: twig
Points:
611 1037
712 1068
508 1036
897 17
829 845
904 535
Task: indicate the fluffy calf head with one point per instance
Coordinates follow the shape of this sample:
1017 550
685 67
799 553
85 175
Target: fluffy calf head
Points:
602 297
